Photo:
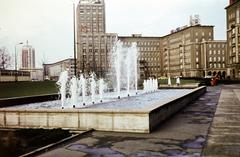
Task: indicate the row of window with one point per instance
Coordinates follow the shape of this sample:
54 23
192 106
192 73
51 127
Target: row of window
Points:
215 65
93 7
214 59
144 43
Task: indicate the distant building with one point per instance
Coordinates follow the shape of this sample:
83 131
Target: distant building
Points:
149 54
214 58
52 71
13 75
233 39
36 74
28 57
28 63
94 44
187 51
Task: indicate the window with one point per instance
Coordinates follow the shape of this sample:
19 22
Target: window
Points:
214 59
210 59
197 59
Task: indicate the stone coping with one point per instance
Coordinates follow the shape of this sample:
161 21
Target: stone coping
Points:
100 110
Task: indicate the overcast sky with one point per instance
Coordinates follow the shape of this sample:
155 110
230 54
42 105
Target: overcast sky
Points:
47 24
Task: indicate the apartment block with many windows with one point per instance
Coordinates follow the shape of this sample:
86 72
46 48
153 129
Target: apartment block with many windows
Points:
233 38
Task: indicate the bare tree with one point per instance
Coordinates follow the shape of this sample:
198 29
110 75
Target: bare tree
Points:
5 58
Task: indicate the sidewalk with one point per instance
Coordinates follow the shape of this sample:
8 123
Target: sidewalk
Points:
224 136
184 134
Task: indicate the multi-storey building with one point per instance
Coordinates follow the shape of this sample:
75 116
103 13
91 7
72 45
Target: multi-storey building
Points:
52 71
94 44
213 58
233 38
28 57
149 53
184 52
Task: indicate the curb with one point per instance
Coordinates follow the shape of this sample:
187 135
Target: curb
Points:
54 145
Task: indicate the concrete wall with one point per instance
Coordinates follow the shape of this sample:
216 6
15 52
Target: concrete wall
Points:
161 112
141 120
75 120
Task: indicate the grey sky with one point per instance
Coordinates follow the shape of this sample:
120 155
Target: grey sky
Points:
47 24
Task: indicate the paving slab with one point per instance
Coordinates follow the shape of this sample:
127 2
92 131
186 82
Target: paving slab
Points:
184 134
224 137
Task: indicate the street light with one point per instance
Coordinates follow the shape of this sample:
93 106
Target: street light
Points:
74 38
16 59
74 41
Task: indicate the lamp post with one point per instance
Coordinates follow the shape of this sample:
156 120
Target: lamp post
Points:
74 41
16 59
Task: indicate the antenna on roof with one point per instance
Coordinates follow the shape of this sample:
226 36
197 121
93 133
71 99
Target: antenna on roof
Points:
194 20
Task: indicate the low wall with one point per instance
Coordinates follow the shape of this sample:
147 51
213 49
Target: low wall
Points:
141 120
165 110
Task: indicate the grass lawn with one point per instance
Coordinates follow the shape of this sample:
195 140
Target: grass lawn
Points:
18 89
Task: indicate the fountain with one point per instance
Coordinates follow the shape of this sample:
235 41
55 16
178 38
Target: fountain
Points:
73 91
84 110
178 81
101 89
117 65
93 87
62 84
169 81
83 85
125 61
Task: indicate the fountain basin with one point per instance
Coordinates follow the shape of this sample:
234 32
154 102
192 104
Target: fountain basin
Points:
142 120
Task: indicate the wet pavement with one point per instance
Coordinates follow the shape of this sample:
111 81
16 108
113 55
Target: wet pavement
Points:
183 135
224 135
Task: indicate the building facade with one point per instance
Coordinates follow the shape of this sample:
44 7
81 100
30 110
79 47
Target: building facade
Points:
214 58
13 75
28 57
53 71
149 54
187 51
184 52
93 43
233 38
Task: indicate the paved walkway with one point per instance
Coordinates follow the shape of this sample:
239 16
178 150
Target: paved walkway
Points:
184 135
224 136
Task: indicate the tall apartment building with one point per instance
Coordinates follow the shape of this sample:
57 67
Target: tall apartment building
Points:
233 38
28 57
94 44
